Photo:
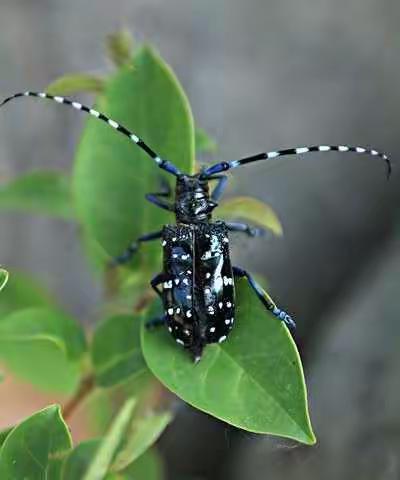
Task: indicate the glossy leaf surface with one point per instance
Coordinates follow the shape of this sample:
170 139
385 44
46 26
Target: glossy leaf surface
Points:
254 380
33 450
43 346
112 175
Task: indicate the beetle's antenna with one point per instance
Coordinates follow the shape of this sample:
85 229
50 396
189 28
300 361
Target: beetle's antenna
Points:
223 166
163 164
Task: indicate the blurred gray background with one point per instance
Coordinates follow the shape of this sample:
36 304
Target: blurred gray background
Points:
259 75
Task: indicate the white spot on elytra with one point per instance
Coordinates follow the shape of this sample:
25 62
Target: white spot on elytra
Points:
189 272
188 313
163 243
174 239
178 310
189 297
227 321
225 239
211 310
186 331
185 281
222 339
228 304
176 281
170 311
170 329
208 275
178 340
207 290
212 329
220 304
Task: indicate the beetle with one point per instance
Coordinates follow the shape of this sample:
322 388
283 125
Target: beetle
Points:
197 284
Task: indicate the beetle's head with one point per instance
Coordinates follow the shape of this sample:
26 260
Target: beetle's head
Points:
192 201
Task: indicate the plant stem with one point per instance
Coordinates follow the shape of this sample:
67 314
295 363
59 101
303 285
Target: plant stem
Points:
85 388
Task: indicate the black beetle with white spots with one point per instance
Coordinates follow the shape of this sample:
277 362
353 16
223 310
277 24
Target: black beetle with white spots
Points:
197 284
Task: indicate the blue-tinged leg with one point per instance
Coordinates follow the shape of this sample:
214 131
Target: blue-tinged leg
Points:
219 189
265 298
244 228
158 198
133 247
154 198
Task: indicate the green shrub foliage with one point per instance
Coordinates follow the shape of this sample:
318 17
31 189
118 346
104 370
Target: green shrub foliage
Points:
253 381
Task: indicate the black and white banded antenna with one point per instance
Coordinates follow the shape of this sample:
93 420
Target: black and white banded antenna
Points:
223 166
163 164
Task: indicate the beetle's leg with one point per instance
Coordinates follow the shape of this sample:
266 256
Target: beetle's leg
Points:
164 193
153 198
156 322
131 250
265 298
155 283
247 229
219 189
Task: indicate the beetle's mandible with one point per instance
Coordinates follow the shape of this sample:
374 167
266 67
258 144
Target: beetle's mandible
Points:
197 284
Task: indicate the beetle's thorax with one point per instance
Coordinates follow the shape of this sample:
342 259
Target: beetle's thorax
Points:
192 200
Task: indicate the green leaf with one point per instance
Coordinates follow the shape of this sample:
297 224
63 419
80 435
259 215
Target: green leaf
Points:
254 380
250 209
22 292
109 445
120 47
147 467
43 346
43 192
4 434
112 175
144 431
3 278
76 83
116 351
79 460
33 450
204 144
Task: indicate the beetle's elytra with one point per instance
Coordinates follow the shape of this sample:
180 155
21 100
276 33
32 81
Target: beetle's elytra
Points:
197 284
